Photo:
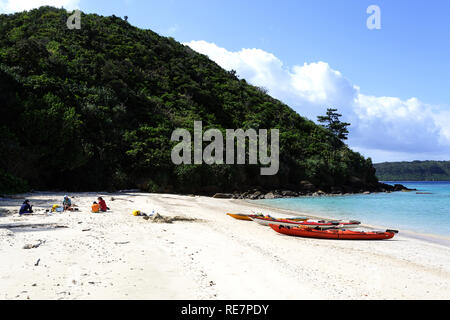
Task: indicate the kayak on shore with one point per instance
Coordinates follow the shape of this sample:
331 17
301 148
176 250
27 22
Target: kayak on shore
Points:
337 234
251 217
240 216
306 223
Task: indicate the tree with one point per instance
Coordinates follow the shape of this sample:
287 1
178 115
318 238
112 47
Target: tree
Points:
103 103
332 122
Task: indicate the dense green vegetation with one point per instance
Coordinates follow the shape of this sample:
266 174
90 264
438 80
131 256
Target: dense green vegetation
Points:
414 171
95 108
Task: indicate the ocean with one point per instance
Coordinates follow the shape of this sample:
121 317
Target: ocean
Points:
422 213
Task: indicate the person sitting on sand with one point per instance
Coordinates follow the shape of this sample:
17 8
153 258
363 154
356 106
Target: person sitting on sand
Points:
26 208
95 207
102 204
67 203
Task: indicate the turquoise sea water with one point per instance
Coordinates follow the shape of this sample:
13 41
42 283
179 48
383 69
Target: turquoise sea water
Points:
428 213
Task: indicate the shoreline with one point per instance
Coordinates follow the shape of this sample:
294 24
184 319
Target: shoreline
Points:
81 255
429 237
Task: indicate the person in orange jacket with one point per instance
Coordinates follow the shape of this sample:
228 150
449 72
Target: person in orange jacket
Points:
95 207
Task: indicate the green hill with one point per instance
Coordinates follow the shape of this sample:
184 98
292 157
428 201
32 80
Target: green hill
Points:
94 109
414 171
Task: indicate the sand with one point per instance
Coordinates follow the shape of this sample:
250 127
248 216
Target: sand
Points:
115 255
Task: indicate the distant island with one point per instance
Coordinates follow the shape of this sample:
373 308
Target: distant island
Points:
413 171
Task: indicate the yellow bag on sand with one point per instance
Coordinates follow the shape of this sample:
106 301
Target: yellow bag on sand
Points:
54 207
136 213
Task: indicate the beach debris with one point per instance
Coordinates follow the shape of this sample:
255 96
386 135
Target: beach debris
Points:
33 246
86 230
185 219
157 218
114 199
125 242
37 262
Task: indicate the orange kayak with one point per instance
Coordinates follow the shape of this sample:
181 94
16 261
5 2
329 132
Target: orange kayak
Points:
241 216
337 234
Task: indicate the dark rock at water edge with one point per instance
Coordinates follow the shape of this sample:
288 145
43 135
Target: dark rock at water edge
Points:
308 189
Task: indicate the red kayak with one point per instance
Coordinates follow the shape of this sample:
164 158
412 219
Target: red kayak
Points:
337 234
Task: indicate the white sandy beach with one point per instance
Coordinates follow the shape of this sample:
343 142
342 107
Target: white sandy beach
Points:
118 256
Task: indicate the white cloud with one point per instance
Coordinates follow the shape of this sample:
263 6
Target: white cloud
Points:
393 124
382 127
308 87
11 6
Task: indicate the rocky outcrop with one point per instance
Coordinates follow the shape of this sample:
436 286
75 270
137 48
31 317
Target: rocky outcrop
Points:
270 195
306 188
288 193
383 187
400 187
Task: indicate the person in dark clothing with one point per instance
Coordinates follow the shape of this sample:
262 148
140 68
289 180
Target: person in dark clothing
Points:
26 208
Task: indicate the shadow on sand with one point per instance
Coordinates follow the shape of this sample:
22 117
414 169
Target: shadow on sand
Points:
28 227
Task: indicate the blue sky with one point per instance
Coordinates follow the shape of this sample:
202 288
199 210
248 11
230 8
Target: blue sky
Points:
391 84
408 57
